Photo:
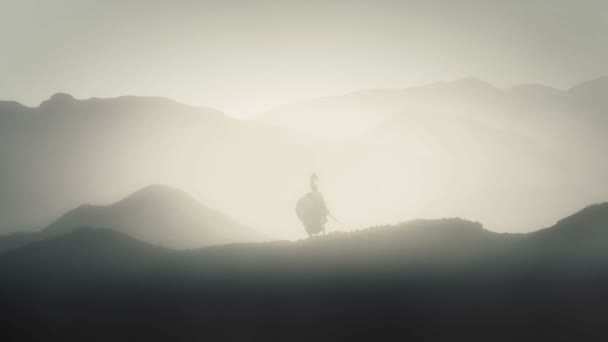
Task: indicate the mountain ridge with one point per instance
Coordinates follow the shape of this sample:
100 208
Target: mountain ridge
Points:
410 236
469 81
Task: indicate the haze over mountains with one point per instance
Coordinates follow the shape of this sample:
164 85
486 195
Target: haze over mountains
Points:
68 152
462 148
468 98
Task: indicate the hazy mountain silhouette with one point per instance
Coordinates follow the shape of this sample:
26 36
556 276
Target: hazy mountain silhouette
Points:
157 214
462 148
435 279
69 151
469 98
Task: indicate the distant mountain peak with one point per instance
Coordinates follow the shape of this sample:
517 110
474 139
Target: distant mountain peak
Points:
128 103
159 192
58 99
156 189
62 97
158 214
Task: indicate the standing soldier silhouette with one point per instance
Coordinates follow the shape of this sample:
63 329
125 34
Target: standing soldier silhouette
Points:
312 210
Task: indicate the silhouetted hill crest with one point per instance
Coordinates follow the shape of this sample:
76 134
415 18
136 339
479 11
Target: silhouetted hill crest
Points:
157 193
592 216
58 100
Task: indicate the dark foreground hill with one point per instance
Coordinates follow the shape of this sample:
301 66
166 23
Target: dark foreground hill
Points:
422 280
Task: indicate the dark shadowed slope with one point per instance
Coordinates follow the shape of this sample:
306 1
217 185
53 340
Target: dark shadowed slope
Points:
432 280
451 242
81 260
84 250
414 244
580 240
16 240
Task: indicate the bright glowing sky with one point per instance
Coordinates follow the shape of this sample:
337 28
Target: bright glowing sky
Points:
247 56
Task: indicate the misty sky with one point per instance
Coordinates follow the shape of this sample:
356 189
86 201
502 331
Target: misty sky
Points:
247 56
